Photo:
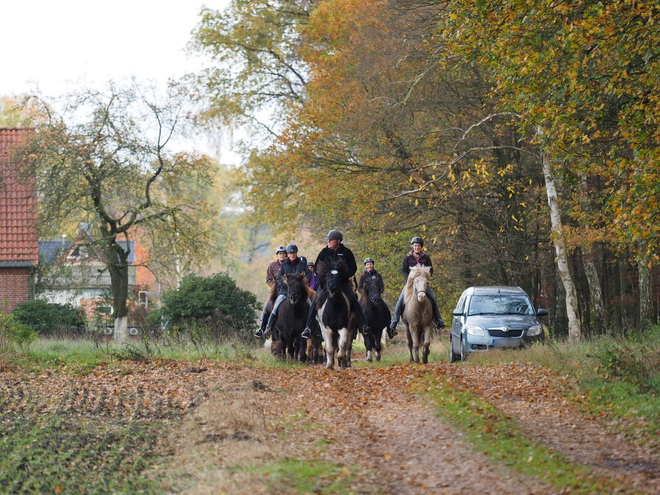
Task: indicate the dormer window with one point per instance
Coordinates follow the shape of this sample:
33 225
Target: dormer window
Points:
75 254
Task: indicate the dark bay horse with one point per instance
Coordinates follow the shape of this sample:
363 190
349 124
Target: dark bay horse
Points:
418 313
334 314
291 319
377 315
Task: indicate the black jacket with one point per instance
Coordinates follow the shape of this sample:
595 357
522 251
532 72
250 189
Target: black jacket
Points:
328 256
299 266
410 260
373 275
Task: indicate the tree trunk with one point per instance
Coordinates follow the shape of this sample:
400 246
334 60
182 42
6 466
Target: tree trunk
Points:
595 291
574 327
645 292
118 269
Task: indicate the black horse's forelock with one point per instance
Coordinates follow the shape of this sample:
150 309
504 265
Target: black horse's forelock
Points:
367 287
323 269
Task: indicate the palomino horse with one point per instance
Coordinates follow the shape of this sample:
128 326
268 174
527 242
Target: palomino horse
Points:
377 315
334 314
291 319
418 313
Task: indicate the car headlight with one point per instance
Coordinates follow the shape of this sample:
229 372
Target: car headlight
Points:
534 331
476 331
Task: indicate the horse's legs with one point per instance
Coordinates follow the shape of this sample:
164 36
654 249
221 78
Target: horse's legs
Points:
329 348
413 345
426 346
368 345
343 354
377 343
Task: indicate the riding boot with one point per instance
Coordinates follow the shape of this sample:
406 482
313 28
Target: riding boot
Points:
391 332
262 329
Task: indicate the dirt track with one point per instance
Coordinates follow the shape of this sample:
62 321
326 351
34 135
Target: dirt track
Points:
373 424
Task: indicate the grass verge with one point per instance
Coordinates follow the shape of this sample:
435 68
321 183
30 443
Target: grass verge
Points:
496 435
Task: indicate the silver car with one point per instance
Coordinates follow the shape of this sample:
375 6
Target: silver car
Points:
496 316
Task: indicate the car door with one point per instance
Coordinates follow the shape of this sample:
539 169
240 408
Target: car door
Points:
458 318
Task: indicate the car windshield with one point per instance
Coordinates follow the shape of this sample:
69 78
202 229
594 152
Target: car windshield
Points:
500 304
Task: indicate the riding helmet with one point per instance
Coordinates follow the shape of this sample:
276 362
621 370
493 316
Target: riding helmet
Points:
417 240
369 260
292 248
310 263
280 249
336 235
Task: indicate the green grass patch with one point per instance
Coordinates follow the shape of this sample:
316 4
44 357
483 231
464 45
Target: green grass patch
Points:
54 454
490 431
299 476
614 378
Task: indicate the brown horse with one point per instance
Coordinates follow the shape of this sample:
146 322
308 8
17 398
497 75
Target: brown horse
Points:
418 313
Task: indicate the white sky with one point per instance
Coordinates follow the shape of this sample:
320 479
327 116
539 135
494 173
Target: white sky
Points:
56 46
57 43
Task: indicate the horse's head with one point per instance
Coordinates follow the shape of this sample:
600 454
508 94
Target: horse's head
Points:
372 291
295 286
418 280
332 276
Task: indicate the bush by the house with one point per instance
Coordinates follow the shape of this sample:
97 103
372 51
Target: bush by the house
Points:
216 302
50 319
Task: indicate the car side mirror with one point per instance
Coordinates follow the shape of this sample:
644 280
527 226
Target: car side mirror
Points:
457 312
542 312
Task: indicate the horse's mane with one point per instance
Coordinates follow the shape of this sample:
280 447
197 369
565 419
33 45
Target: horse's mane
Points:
416 271
323 269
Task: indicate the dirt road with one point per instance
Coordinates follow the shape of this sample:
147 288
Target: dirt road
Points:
388 440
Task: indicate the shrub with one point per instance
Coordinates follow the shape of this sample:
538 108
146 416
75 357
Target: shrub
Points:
14 332
49 318
215 301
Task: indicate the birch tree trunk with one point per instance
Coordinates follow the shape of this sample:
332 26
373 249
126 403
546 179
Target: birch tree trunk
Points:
574 327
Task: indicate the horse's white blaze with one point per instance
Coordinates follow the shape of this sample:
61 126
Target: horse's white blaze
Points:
334 272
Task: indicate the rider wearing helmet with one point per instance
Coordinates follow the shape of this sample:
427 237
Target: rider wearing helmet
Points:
271 280
370 273
274 267
336 251
293 264
313 283
415 257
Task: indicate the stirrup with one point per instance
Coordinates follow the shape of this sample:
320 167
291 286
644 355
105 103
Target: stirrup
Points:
259 333
306 333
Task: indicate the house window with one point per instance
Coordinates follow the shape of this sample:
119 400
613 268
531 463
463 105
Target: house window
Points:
143 298
75 254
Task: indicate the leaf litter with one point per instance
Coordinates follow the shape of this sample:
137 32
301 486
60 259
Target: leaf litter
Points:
227 418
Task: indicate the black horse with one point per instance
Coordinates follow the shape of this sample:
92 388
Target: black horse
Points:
334 314
291 319
377 315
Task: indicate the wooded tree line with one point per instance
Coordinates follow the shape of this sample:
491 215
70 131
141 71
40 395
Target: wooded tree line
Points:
519 137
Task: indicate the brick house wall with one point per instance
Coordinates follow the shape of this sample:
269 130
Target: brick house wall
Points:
19 245
15 287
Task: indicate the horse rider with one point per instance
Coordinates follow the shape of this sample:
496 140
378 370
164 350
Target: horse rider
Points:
370 273
313 283
336 251
271 280
293 264
415 257
274 267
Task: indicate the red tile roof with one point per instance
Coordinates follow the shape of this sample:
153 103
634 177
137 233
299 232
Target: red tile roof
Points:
19 244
